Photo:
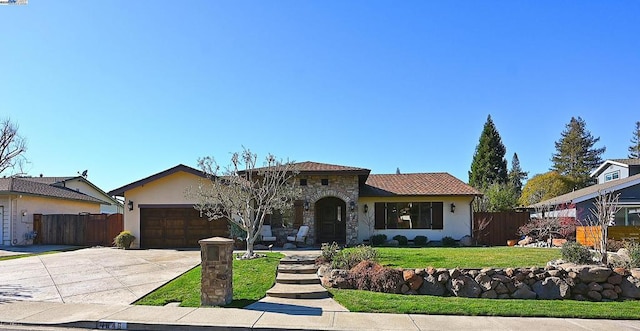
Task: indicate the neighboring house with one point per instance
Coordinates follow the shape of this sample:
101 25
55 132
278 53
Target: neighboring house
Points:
619 176
616 169
20 198
338 203
80 184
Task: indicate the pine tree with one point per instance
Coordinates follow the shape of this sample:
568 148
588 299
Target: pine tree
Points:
489 165
634 149
575 155
397 171
516 175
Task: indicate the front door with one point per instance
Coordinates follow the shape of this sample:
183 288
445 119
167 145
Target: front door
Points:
331 220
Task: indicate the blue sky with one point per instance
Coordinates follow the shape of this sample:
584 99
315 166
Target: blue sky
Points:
126 89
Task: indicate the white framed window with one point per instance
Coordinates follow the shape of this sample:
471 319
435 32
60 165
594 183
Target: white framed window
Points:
612 175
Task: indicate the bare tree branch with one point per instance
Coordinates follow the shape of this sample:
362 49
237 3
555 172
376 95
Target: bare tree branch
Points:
12 146
602 216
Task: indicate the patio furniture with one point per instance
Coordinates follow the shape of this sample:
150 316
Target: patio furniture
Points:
301 236
266 234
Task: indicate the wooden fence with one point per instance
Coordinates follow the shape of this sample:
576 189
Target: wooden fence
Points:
494 229
590 235
81 230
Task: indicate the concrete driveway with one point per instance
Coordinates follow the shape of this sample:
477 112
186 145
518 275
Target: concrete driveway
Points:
92 275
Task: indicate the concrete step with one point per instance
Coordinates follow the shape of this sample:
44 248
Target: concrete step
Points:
297 268
284 278
298 260
291 291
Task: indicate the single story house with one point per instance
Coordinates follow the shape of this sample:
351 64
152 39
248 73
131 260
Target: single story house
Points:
82 185
338 203
621 176
22 197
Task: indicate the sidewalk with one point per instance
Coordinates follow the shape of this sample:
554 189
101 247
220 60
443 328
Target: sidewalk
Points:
31 313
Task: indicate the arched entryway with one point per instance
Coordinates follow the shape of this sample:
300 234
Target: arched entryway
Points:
331 220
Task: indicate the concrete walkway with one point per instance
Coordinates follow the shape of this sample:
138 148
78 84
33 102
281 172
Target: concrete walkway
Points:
92 275
98 316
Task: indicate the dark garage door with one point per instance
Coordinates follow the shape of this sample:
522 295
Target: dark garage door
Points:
177 227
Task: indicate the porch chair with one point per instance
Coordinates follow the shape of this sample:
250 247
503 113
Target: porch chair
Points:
301 236
266 234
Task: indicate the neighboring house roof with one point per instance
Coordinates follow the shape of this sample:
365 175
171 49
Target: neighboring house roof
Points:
619 162
592 191
35 188
61 182
322 168
431 184
180 167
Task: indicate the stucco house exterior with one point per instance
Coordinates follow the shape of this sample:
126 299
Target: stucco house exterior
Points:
20 198
338 203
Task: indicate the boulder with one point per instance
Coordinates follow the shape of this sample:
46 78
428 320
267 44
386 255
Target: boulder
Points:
443 277
509 272
491 294
594 274
464 286
339 278
466 241
594 295
408 274
580 288
524 292
431 270
610 295
624 254
579 297
607 286
501 288
551 288
614 279
504 296
431 286
415 282
630 287
486 282
488 271
454 273
635 272
593 286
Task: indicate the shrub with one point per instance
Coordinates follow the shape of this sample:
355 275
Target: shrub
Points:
329 251
124 239
448 242
349 258
574 252
402 240
634 254
378 239
420 240
360 275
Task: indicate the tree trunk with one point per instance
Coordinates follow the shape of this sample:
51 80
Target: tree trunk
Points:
249 253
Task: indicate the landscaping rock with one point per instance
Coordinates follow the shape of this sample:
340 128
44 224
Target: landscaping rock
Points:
580 297
501 289
630 287
593 286
491 294
431 286
487 271
610 295
339 279
509 272
635 272
454 273
415 282
594 274
614 279
524 292
443 277
594 295
552 288
580 288
485 282
464 286
408 274
466 241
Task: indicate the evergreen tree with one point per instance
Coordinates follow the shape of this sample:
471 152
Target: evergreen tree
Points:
575 155
489 165
397 171
634 149
516 175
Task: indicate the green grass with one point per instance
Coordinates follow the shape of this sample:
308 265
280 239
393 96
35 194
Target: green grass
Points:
466 257
374 302
251 280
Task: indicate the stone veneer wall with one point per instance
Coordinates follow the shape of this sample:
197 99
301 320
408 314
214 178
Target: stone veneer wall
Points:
343 187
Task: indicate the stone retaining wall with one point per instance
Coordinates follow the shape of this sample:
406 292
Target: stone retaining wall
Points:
564 281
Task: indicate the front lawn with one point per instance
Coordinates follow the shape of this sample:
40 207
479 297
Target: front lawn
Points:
374 302
251 280
466 257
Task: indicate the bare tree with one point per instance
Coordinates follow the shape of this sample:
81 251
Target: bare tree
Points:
479 231
602 216
549 222
12 146
243 193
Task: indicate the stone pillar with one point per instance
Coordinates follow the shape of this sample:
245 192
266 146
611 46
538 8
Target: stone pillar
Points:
216 286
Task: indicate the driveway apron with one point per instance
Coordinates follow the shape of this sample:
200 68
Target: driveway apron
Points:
92 275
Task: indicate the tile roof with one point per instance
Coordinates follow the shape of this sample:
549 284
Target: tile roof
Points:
30 187
440 183
309 166
590 192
